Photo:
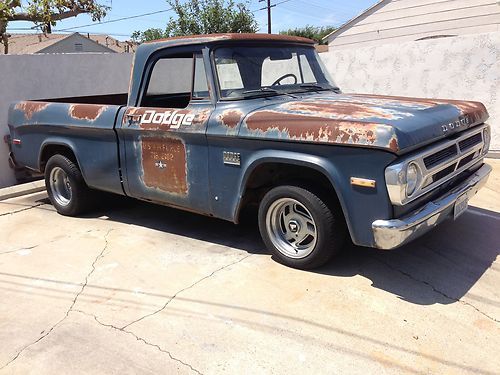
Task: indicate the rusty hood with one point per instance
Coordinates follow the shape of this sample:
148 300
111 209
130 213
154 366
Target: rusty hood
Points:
397 124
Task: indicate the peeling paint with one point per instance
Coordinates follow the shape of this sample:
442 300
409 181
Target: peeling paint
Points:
344 110
230 118
29 108
320 129
171 175
476 110
88 112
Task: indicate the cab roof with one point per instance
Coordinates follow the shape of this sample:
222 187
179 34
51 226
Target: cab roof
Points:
212 38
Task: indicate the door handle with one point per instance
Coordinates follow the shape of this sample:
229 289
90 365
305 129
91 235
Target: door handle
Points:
132 118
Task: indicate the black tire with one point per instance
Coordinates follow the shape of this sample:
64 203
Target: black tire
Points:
80 196
330 228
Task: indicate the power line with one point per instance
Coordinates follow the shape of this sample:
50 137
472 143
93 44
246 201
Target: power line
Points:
268 8
80 31
116 20
272 5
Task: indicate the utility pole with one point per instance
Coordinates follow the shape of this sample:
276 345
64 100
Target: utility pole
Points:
268 7
269 16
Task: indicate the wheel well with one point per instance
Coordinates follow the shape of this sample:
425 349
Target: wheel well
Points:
51 150
268 175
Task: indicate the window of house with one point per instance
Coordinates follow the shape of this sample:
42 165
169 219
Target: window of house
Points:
174 81
78 47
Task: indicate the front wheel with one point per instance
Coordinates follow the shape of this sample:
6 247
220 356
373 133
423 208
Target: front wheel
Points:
299 228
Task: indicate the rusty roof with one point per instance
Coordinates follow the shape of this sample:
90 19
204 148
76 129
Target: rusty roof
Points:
207 38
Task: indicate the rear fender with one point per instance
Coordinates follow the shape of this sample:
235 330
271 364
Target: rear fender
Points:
60 142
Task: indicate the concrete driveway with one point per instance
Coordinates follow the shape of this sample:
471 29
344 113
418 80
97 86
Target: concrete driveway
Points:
137 288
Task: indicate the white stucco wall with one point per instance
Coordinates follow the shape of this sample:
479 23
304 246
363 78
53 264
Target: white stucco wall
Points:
53 76
464 67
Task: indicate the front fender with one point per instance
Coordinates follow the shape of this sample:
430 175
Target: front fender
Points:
318 163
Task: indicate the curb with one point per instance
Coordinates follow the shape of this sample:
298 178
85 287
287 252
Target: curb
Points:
23 189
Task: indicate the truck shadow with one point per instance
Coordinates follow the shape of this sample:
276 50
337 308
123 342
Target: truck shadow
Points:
439 268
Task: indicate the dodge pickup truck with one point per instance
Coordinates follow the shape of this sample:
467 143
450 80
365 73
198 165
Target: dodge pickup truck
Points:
214 124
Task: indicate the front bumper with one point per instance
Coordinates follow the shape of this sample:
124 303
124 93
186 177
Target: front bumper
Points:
389 234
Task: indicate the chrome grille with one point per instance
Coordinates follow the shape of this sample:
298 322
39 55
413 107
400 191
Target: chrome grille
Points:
440 156
438 163
470 142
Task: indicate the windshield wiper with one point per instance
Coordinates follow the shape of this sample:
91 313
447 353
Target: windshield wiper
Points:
262 90
313 86
317 87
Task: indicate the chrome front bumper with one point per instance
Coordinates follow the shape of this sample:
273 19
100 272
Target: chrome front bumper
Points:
389 234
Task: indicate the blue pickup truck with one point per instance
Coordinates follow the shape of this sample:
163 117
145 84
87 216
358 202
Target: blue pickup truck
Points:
214 124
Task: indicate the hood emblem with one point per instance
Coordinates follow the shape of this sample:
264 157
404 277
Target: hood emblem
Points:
462 121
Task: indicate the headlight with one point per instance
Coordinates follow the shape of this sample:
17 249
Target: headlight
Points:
486 139
412 178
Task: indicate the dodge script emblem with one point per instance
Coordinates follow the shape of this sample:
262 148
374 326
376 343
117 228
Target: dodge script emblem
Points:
462 121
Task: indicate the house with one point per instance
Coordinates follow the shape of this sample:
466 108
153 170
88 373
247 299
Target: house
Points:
23 44
396 21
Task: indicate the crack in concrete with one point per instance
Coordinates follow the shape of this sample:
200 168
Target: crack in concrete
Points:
22 248
435 289
138 338
101 254
22 209
184 289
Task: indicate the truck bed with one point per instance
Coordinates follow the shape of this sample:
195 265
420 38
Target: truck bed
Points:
87 127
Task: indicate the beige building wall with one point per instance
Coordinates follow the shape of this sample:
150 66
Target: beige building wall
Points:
464 67
397 21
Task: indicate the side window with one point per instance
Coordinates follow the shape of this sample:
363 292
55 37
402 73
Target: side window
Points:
174 81
200 84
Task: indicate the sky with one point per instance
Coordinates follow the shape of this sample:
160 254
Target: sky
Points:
286 14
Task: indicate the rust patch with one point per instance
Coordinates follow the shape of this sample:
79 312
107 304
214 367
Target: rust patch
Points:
324 130
193 39
476 110
30 108
342 110
202 117
89 112
164 164
393 144
231 118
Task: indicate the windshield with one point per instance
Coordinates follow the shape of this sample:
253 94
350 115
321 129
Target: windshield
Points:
245 72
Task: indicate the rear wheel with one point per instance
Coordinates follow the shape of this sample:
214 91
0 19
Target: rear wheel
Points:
299 228
66 187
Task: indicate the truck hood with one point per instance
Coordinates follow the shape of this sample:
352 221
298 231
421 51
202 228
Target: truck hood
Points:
397 124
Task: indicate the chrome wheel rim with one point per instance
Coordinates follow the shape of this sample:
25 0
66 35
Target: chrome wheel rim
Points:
291 228
60 186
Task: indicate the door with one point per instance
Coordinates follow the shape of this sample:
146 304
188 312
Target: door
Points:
164 140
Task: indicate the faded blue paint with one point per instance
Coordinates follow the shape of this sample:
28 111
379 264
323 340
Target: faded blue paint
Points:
314 130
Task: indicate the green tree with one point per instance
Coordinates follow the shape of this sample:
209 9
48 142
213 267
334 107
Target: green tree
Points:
203 17
45 13
147 35
316 33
